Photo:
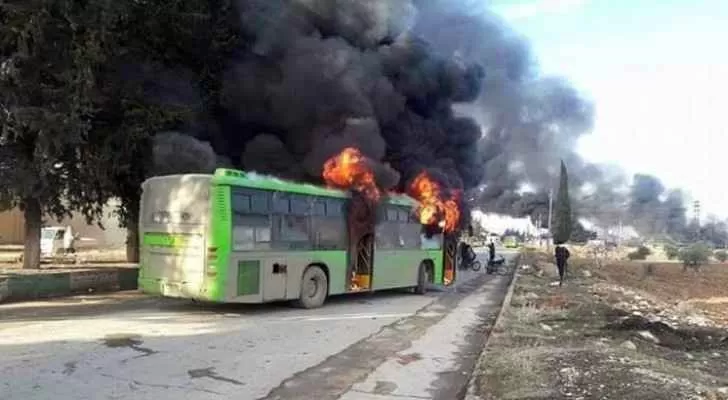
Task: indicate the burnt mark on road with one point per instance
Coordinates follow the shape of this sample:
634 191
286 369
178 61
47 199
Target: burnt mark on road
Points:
69 368
210 373
330 379
384 387
133 342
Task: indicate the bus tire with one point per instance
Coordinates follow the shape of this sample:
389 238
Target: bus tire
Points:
314 288
423 278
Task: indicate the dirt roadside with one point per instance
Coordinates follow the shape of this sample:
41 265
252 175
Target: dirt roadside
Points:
614 333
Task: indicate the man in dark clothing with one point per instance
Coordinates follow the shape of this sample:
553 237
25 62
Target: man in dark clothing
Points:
562 256
491 252
467 255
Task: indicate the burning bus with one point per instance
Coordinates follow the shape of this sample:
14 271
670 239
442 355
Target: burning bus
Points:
240 237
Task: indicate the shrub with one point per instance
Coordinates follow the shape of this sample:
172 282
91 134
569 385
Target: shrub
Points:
721 256
695 254
672 252
640 254
644 251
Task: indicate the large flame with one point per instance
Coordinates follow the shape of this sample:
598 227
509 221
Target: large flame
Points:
433 207
350 170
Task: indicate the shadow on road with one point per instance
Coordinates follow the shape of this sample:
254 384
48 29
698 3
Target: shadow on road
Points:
105 303
100 304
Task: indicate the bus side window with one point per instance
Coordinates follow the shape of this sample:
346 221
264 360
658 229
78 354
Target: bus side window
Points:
294 232
334 208
387 231
251 232
319 208
409 229
251 220
259 203
299 205
241 203
281 203
391 214
328 226
404 216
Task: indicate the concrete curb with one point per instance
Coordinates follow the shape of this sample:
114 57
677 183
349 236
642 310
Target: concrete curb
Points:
49 283
471 394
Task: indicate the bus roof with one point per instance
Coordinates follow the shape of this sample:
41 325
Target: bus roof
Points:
233 177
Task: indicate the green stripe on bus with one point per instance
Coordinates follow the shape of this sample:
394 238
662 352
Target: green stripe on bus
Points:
171 240
221 239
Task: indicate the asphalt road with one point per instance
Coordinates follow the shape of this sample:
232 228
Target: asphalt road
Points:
126 346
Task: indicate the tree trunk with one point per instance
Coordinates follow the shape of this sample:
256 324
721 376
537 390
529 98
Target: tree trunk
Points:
132 236
33 223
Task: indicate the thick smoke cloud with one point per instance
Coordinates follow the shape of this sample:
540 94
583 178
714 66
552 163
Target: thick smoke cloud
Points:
175 153
436 85
316 76
530 123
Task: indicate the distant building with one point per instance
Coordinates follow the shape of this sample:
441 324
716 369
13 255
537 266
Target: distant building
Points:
12 229
498 223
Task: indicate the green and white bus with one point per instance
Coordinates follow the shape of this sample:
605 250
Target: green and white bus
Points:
241 237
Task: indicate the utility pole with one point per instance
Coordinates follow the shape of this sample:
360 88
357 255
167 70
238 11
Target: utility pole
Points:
619 233
696 212
551 208
551 213
696 219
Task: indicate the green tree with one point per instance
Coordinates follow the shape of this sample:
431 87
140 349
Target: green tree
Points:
640 254
695 255
562 226
177 47
50 52
672 252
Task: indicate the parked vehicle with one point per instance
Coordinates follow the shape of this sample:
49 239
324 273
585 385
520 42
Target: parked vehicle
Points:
510 242
56 242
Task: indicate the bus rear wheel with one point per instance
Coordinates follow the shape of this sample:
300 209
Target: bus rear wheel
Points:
314 288
423 278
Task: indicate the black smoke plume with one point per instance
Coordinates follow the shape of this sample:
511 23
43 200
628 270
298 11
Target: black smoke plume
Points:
312 77
442 86
530 123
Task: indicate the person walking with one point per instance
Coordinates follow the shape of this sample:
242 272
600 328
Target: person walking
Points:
562 255
491 252
467 255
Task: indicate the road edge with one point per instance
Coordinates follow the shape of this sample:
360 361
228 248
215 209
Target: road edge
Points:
472 384
369 352
16 287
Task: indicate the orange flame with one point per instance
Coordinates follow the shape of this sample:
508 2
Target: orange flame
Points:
449 277
350 170
433 207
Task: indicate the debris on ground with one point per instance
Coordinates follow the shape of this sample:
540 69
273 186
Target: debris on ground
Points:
600 336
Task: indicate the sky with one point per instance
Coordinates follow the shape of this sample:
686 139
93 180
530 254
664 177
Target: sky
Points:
657 71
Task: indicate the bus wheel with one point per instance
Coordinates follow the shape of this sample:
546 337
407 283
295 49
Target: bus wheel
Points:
423 277
314 288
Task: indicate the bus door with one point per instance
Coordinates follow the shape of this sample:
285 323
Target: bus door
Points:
450 252
361 217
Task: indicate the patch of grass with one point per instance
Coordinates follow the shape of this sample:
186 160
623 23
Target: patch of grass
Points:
516 373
